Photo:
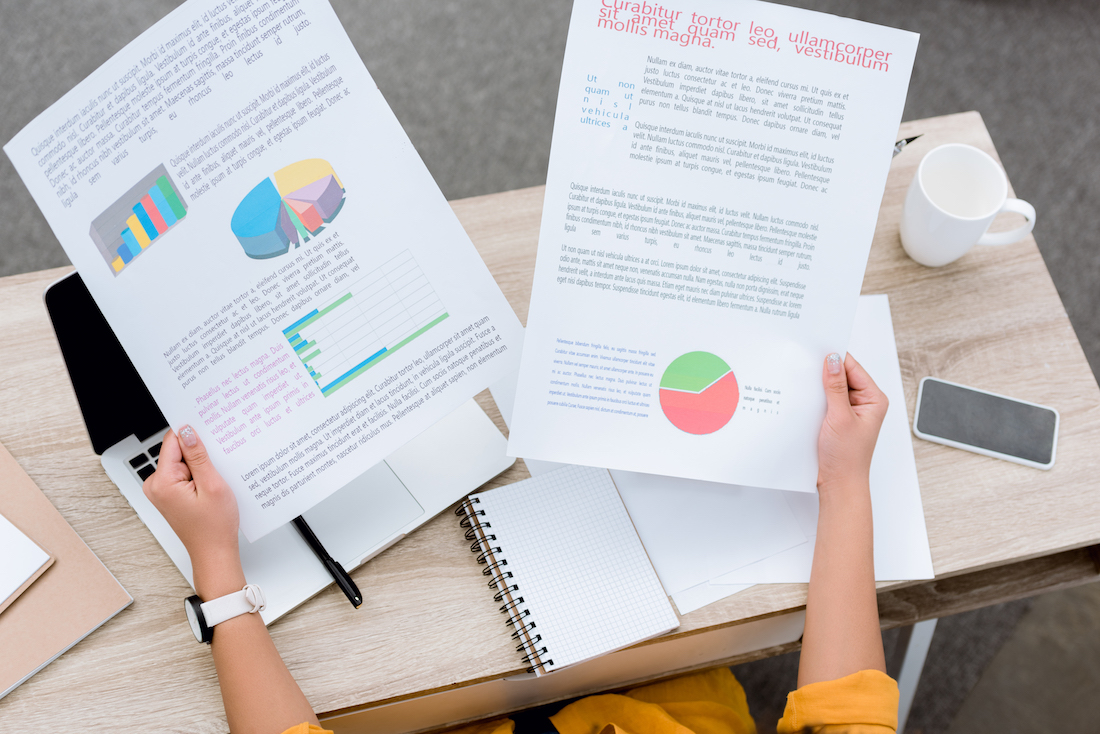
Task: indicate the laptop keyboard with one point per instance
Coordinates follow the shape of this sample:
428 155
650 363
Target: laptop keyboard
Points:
145 463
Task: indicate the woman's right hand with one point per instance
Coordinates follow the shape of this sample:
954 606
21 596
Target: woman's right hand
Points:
259 693
856 407
202 510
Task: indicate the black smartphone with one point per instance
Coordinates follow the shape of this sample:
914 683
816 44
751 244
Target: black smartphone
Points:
986 423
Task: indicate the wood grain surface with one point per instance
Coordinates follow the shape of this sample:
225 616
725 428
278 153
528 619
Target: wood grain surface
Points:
992 320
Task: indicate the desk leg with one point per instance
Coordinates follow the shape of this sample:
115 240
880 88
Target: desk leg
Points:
908 662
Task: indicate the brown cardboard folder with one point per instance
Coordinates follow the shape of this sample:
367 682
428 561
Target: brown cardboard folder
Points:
5 603
63 606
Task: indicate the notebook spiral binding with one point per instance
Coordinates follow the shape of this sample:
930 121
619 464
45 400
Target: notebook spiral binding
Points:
482 543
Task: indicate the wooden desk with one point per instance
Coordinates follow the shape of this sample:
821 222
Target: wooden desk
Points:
998 531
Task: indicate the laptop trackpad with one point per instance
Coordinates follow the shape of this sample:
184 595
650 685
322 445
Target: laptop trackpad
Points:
364 513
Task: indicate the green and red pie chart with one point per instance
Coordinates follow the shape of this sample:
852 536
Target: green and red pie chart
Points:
699 393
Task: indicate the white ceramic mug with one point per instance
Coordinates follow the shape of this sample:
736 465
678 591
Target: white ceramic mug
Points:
957 193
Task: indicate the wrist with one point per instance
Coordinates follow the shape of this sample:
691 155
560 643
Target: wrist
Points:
844 489
216 575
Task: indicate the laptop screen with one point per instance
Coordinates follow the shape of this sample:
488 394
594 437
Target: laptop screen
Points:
113 399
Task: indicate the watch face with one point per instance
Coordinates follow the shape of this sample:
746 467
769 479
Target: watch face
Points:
193 606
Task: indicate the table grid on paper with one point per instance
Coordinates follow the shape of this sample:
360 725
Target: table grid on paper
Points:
578 563
375 315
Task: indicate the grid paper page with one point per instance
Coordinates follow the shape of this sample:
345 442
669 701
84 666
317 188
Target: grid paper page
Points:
578 563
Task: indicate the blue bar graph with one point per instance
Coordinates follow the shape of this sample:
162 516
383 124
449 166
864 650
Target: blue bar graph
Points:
299 322
163 206
380 312
146 222
359 366
125 253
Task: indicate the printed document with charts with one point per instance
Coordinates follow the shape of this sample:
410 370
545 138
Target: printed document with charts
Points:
268 246
714 183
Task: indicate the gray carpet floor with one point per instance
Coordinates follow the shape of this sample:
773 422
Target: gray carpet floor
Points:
474 82
1043 680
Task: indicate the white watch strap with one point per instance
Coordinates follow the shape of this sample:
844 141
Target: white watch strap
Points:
248 600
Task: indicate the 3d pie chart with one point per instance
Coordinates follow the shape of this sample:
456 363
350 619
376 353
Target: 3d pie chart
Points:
287 208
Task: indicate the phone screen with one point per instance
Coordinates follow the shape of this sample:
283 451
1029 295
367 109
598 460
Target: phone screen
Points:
987 421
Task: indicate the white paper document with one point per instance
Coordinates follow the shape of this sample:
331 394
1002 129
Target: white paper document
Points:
20 559
268 247
697 533
700 596
901 539
714 183
692 530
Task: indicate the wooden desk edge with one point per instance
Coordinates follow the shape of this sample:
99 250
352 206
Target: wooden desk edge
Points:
898 607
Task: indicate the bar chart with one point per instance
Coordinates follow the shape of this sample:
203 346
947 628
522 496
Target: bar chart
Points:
139 217
374 317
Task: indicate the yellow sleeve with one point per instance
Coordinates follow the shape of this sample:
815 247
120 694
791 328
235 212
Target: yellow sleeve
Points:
862 703
718 686
615 714
704 703
495 726
305 728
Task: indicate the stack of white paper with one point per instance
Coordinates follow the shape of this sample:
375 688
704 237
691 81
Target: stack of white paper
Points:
708 541
21 560
901 540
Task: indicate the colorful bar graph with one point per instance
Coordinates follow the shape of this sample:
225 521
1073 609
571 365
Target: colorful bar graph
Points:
163 207
135 228
146 223
126 253
153 213
169 192
136 219
130 247
315 314
383 311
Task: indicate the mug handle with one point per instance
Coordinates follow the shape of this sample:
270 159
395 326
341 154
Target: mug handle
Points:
1019 206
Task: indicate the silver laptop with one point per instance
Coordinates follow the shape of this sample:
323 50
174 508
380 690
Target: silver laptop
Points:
362 519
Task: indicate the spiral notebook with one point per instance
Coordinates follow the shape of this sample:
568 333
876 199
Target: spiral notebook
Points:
567 567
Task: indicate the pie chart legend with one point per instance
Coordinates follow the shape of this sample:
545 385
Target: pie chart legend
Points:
699 393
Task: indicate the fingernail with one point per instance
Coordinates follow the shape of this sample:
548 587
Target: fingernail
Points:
832 362
187 435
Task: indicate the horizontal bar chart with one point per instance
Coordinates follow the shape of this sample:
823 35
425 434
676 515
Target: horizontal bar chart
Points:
377 314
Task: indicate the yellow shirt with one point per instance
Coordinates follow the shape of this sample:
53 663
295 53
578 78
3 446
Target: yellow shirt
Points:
714 703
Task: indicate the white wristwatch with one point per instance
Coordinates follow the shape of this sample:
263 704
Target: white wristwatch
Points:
203 616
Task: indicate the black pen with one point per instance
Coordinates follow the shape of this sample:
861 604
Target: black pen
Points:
351 591
900 145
